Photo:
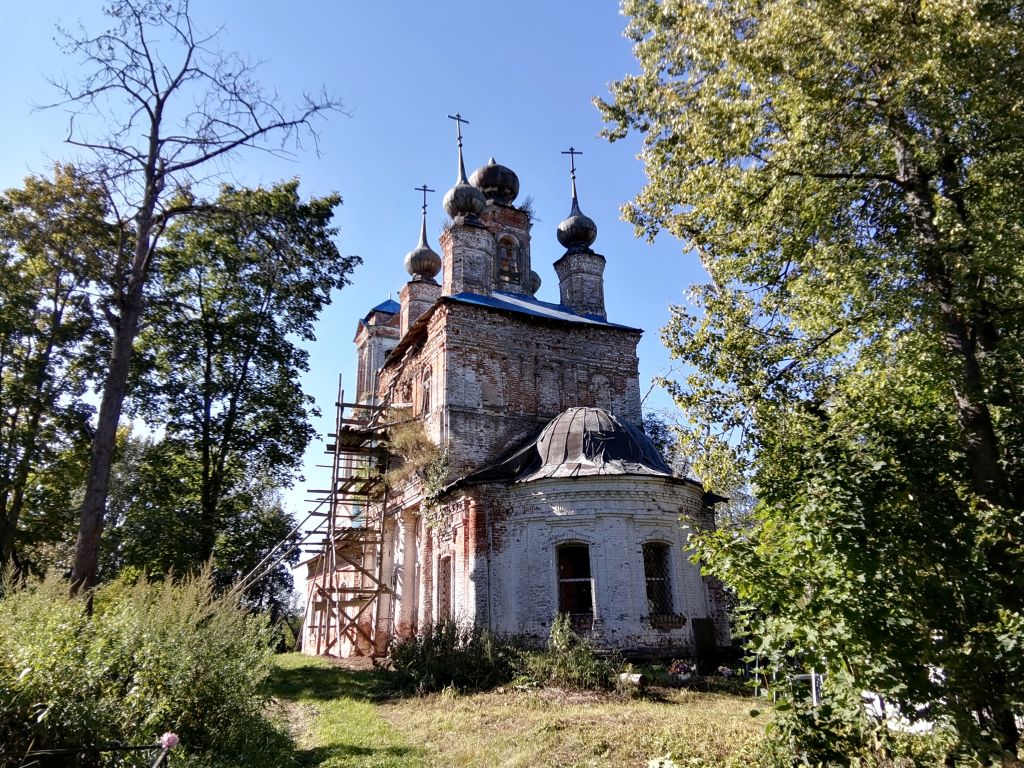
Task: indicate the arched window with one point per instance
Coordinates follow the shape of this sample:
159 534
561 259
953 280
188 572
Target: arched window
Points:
508 259
425 391
575 585
659 583
445 608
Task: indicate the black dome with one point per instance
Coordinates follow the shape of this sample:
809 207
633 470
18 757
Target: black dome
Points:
591 441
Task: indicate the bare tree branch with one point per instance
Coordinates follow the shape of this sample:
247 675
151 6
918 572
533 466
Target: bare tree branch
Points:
164 101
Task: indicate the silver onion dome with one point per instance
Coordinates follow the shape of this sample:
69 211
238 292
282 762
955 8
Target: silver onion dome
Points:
498 182
578 231
422 262
534 282
463 201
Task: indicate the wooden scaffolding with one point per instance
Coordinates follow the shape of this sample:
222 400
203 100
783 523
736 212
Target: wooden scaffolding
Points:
347 608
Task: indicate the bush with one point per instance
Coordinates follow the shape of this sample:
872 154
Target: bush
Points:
152 657
447 655
571 662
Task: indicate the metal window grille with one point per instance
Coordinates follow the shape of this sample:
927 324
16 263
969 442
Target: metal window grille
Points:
659 583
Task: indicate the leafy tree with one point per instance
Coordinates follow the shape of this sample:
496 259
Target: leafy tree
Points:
159 105
848 175
239 288
53 240
155 513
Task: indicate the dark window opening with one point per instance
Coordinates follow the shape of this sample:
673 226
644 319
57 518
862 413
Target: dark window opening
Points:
575 585
508 259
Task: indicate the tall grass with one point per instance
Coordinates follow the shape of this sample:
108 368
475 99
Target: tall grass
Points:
150 658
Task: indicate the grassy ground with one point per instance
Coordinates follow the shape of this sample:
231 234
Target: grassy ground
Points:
340 718
332 714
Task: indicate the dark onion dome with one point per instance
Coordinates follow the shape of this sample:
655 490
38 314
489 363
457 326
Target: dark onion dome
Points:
534 282
498 183
464 200
592 441
578 231
421 262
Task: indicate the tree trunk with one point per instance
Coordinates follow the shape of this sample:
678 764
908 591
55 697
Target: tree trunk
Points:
115 387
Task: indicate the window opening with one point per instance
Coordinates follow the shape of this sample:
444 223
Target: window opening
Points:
508 259
575 585
444 589
425 392
659 584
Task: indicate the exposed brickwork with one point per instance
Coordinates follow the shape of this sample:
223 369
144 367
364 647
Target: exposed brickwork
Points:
415 298
581 282
468 254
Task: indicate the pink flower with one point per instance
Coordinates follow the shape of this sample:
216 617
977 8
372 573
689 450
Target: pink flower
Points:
169 740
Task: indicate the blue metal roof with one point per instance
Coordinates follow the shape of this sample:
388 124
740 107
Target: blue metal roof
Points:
389 307
527 305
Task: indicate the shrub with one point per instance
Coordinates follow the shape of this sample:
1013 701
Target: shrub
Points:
152 657
447 655
571 662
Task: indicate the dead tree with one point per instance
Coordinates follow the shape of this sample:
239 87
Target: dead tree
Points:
170 107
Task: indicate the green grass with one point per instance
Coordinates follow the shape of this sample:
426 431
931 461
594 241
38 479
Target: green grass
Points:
342 718
333 714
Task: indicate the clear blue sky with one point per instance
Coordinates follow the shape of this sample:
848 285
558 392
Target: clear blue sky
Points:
523 73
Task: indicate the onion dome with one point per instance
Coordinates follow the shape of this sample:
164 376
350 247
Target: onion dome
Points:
463 201
498 183
578 231
534 282
422 262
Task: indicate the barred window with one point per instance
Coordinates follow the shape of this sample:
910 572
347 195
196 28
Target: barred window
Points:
575 585
659 585
508 258
445 610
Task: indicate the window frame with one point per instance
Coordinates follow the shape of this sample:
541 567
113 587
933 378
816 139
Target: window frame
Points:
580 620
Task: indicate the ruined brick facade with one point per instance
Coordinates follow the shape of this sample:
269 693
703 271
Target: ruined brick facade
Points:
544 512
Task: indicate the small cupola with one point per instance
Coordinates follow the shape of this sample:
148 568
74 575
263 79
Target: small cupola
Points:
423 264
580 271
463 202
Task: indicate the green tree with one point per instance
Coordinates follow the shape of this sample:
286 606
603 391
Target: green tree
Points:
158 105
239 290
849 176
53 241
154 518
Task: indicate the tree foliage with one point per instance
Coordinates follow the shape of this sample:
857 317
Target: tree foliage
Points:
238 289
847 174
54 239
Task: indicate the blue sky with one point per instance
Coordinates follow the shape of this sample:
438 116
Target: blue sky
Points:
523 74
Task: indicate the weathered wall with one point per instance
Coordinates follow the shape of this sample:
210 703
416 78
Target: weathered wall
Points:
507 375
503 544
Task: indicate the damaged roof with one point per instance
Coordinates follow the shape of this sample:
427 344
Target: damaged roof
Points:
580 442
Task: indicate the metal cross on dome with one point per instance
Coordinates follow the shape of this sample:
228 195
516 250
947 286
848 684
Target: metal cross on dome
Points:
459 120
572 152
424 189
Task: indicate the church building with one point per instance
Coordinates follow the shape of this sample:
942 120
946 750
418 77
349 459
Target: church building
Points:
544 496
